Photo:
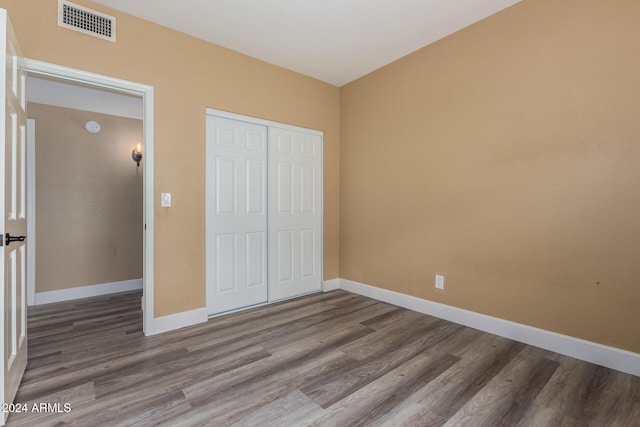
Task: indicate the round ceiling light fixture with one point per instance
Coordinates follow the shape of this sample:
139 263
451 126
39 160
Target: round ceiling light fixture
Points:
92 126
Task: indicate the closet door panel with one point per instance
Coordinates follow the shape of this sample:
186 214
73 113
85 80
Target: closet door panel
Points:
236 214
295 213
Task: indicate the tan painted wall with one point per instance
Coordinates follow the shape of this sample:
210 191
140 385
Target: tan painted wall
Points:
88 199
508 157
188 75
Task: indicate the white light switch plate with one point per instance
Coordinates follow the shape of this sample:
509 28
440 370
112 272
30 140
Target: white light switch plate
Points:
165 200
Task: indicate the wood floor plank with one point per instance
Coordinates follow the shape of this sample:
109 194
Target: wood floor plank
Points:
70 316
181 372
600 400
76 338
391 336
505 399
74 396
295 334
328 359
166 384
476 380
280 364
433 404
253 391
52 358
370 402
560 402
41 386
392 318
131 411
260 330
284 411
628 411
330 389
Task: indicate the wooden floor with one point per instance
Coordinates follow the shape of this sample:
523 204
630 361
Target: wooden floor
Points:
332 359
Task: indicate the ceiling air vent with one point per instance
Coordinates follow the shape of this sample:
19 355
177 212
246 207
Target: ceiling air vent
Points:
87 21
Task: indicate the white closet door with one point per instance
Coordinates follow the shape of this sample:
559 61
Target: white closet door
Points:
295 213
236 214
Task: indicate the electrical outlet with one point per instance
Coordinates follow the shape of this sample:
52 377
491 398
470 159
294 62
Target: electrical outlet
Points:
440 282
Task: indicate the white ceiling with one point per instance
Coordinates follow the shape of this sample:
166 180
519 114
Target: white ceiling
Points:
336 41
59 93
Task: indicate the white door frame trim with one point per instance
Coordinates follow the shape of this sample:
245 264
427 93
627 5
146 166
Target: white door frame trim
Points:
31 208
146 92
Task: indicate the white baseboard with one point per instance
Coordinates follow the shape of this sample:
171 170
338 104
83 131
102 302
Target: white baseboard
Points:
179 320
330 285
610 357
87 291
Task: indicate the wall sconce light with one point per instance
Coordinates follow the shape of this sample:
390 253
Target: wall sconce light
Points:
136 154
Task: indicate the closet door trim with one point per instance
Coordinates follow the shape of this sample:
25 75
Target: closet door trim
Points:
258 121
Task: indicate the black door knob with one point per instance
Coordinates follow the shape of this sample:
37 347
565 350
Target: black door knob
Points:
9 238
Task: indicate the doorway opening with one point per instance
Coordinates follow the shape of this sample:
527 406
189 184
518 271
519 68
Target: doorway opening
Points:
141 97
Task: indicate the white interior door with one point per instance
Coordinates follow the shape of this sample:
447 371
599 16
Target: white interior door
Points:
13 206
236 214
295 213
